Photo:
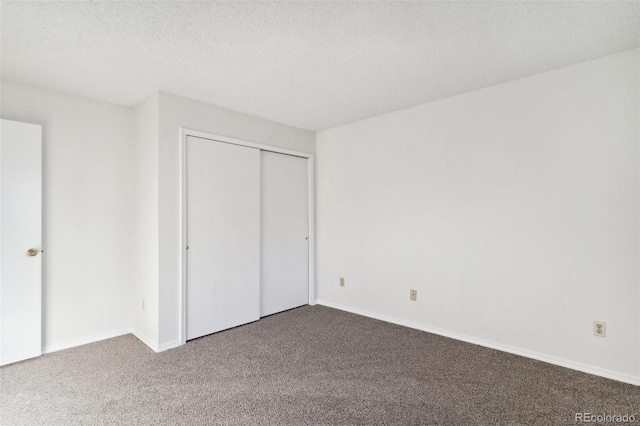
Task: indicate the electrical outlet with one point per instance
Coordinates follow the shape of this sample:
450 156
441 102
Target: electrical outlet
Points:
143 304
600 329
413 295
341 281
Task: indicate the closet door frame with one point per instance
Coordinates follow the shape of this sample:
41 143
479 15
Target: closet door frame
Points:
184 133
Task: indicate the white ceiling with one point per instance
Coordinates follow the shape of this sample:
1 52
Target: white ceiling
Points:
310 65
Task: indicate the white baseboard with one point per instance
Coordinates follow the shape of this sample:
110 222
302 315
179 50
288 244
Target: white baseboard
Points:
152 344
85 340
108 335
145 339
166 346
585 368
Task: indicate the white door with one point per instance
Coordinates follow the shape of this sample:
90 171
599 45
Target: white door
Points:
285 231
223 236
20 241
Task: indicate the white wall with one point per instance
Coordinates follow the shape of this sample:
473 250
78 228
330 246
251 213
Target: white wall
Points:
145 221
176 112
513 210
87 289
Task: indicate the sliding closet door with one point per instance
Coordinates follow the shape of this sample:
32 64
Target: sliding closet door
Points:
285 231
223 236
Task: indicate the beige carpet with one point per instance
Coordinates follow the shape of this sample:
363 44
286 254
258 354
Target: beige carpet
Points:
307 366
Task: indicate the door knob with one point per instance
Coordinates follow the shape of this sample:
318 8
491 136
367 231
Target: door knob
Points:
32 252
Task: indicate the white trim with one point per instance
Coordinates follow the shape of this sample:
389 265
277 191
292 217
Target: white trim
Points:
182 335
166 346
312 233
183 214
145 339
108 335
85 340
585 368
218 138
638 236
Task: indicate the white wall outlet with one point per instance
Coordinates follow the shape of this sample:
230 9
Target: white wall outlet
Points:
143 304
600 329
413 295
341 281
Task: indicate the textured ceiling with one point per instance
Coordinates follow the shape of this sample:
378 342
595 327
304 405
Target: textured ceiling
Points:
310 65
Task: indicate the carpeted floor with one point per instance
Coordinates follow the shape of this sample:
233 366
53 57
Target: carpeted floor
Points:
308 366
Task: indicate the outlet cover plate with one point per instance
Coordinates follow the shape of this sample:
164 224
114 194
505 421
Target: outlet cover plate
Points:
600 329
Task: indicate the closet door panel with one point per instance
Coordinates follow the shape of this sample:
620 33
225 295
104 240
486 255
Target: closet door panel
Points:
285 227
223 235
